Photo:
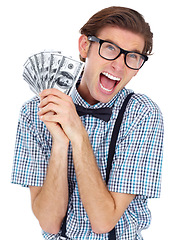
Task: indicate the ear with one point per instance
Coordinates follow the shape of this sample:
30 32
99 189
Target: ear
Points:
83 46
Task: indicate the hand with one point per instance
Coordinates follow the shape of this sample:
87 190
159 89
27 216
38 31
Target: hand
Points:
59 114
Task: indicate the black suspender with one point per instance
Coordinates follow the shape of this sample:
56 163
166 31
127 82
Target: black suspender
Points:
115 135
112 234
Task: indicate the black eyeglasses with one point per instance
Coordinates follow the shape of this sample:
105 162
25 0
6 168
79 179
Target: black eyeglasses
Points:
111 51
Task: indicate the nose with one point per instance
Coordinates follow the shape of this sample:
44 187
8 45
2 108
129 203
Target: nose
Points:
119 63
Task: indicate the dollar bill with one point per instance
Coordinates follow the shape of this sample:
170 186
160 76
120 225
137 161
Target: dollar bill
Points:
67 75
55 61
30 76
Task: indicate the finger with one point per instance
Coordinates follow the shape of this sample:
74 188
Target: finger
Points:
50 107
51 91
49 118
55 92
49 99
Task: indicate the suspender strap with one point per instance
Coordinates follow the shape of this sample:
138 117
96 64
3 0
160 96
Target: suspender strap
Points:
112 234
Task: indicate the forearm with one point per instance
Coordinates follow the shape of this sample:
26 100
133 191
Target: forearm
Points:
97 200
50 204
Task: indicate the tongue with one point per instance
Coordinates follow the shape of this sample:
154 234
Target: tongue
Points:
106 82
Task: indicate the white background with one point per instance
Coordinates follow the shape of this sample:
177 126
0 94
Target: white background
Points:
27 27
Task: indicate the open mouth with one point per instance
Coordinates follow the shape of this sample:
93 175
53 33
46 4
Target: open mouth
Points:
108 82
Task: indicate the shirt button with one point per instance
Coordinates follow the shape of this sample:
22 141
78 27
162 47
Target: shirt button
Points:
85 219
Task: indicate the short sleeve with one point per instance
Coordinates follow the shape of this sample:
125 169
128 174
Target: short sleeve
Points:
137 162
32 148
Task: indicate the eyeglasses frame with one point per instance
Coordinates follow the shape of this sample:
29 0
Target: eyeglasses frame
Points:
122 51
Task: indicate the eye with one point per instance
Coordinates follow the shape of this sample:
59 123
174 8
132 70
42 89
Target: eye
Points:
133 56
111 47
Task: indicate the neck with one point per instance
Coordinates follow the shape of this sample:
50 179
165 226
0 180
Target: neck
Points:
85 94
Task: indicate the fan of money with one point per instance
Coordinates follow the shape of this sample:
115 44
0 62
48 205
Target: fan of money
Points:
51 70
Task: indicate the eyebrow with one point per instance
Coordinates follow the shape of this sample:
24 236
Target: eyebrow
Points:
136 50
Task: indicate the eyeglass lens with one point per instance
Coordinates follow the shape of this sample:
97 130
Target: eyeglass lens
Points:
110 52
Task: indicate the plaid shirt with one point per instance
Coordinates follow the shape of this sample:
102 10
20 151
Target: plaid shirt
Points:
136 167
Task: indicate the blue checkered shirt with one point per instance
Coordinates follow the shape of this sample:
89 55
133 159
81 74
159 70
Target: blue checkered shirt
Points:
136 167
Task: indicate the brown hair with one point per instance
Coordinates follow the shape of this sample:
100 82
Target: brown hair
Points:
122 17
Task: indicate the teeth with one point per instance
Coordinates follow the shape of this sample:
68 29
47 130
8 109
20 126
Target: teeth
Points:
110 76
108 90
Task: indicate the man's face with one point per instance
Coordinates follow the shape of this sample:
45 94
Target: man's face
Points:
103 79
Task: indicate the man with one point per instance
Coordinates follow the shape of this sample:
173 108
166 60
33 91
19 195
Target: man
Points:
62 157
